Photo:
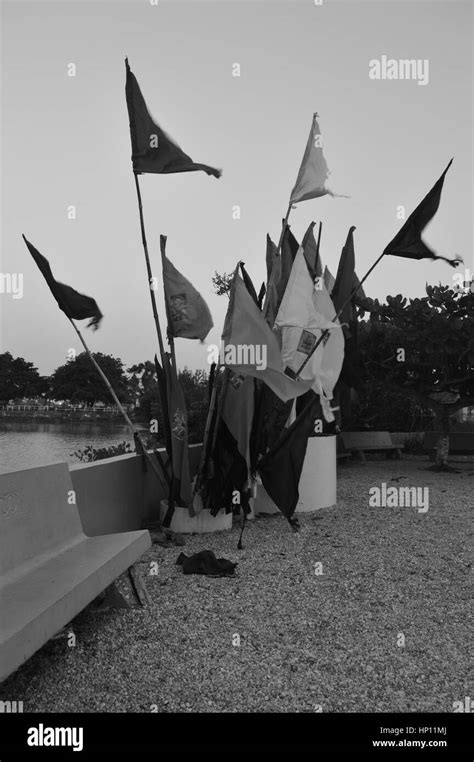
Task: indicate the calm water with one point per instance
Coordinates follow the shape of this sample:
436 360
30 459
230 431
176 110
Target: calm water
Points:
23 445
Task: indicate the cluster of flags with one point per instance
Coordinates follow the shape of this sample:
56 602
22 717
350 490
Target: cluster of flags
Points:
302 320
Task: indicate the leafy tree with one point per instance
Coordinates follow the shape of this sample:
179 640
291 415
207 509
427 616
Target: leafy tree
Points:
78 380
222 283
19 378
144 389
424 350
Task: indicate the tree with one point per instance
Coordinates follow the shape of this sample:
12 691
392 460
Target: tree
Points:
424 349
19 378
78 380
222 283
145 392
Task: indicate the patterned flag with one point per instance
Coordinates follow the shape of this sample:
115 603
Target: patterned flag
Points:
181 492
73 304
187 312
311 180
152 149
408 242
302 321
251 347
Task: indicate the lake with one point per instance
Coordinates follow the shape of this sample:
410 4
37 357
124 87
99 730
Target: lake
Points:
30 443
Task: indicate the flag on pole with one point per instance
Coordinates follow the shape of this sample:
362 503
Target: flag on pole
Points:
313 173
250 346
345 278
301 324
187 312
71 302
408 242
333 351
280 468
271 257
152 149
279 275
329 280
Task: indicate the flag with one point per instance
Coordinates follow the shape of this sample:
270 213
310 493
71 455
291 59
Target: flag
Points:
71 302
408 242
187 312
344 284
280 468
279 275
178 422
333 351
270 257
329 280
250 346
313 173
301 324
310 250
152 149
248 283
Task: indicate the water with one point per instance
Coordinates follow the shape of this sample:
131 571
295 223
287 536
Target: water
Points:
27 444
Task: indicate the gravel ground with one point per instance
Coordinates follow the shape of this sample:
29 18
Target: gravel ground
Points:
309 642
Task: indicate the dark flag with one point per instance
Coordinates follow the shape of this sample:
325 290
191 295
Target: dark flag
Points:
344 284
71 302
280 468
187 312
152 149
408 242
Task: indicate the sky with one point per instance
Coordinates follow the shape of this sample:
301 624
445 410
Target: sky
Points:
65 142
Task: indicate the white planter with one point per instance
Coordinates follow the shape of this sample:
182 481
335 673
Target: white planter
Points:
263 503
203 522
318 479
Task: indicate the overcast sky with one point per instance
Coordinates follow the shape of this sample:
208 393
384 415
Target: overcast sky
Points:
65 141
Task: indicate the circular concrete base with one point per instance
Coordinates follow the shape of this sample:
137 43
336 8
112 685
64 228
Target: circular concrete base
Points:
263 503
203 522
318 480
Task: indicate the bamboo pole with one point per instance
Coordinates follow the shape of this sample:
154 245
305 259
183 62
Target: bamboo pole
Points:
133 429
148 267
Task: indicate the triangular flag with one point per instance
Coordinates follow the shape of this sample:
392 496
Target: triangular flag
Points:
280 468
188 314
71 302
250 346
152 149
408 242
313 173
301 324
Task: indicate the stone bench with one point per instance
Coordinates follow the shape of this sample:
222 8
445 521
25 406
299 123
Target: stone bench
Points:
49 569
359 442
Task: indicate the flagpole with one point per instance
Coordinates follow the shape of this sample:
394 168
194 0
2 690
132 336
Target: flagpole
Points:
133 429
148 267
327 331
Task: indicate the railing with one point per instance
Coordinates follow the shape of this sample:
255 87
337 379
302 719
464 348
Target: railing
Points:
61 408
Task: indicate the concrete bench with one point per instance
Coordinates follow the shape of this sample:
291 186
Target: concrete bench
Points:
49 569
459 441
359 442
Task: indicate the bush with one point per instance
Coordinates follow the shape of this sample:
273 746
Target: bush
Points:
90 453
